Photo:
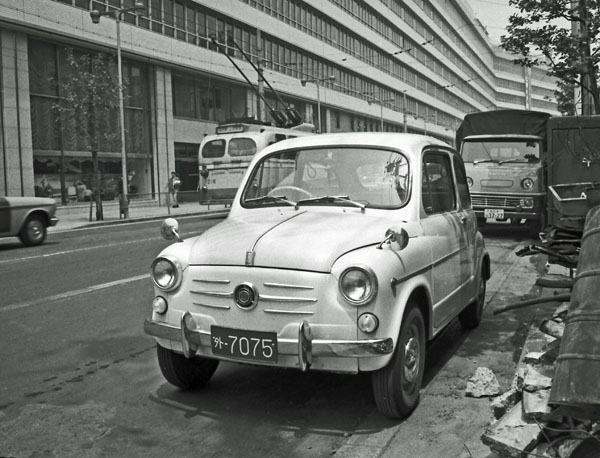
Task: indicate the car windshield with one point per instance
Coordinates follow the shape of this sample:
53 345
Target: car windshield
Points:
340 176
477 151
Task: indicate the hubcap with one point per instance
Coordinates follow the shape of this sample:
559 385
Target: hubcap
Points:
411 359
34 230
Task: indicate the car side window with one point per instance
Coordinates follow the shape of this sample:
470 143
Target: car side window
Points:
461 183
438 193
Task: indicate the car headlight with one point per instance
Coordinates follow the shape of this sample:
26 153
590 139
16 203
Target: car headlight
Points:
470 182
166 273
527 184
358 285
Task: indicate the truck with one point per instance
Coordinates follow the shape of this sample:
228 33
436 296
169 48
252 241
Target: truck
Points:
573 168
504 152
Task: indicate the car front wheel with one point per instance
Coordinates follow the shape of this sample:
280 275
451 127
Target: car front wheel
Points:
396 386
33 231
184 373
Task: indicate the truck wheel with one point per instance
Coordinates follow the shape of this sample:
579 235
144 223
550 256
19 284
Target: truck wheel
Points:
33 231
184 373
470 317
396 386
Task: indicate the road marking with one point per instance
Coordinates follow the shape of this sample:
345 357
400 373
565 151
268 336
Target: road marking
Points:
77 250
71 294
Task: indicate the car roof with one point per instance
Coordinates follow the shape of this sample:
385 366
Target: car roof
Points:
402 141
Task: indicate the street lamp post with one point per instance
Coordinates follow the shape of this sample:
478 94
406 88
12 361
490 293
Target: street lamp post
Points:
381 102
118 14
317 81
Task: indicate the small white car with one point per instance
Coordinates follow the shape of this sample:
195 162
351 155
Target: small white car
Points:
27 218
342 252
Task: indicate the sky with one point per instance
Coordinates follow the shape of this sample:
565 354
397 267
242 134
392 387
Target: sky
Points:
493 14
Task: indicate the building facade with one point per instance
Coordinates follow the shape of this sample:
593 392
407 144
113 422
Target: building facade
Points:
393 65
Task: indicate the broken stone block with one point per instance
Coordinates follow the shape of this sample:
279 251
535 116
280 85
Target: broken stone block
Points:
505 401
553 328
537 378
535 405
483 383
561 311
512 434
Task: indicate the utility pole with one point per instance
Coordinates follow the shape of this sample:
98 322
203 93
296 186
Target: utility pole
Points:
404 110
589 102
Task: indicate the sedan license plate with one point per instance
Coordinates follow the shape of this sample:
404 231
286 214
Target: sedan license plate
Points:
244 344
496 213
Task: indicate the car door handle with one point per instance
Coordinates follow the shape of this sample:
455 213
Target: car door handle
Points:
463 219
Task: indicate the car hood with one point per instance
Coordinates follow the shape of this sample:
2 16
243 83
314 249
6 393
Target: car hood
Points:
302 240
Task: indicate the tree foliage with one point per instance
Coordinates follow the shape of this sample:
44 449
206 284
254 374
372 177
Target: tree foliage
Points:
88 102
541 33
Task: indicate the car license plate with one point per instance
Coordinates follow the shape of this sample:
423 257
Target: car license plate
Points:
497 213
244 344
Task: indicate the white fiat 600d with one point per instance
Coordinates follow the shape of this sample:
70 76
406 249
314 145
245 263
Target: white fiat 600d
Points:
341 252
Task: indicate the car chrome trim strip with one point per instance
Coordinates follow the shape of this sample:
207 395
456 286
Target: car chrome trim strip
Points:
223 307
222 282
289 312
284 285
213 293
273 228
195 338
267 298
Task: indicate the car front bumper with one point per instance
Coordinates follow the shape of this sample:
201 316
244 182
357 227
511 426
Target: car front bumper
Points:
53 221
304 347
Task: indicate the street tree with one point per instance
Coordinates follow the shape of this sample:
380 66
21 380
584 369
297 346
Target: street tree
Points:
564 36
87 109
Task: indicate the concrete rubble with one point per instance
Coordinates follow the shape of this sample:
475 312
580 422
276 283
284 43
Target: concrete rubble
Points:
483 384
526 425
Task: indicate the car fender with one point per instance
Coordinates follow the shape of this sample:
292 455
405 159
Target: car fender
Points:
43 213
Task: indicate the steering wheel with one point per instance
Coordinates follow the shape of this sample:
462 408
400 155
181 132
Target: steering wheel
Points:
282 189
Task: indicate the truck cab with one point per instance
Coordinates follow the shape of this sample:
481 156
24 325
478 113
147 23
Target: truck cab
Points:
504 152
506 179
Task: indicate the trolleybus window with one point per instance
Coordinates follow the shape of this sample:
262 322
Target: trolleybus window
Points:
214 148
241 147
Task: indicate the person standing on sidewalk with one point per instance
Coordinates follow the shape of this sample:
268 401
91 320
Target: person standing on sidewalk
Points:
174 185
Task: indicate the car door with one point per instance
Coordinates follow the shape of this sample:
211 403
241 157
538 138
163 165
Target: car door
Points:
442 225
5 219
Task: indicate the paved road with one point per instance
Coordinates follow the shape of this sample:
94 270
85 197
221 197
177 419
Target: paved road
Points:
78 377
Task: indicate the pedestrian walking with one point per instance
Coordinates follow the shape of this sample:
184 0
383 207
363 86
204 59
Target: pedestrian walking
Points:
174 185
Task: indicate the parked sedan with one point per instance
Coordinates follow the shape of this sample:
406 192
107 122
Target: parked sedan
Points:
27 218
342 252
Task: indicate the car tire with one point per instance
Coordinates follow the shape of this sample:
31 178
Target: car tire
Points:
33 231
185 373
470 317
396 386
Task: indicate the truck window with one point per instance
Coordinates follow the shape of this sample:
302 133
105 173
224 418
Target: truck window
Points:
499 151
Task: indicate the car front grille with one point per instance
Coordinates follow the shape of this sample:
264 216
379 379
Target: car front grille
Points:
495 201
286 296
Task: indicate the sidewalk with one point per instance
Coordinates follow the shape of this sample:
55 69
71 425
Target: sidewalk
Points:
78 215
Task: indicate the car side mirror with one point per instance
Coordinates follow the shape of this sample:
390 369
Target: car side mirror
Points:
169 229
395 235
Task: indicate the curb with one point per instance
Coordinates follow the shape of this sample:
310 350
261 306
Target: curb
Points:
114 222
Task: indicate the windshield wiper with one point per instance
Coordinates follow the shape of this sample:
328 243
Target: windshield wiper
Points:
520 159
277 199
332 199
479 161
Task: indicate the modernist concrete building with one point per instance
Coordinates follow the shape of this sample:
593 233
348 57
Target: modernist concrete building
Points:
414 65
